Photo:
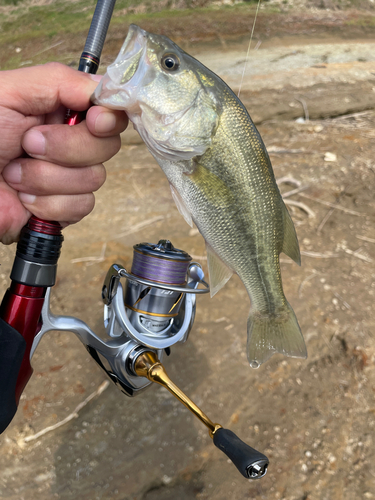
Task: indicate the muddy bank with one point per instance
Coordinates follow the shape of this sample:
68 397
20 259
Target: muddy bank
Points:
314 418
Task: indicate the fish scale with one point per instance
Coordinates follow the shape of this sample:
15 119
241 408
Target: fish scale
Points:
220 174
237 119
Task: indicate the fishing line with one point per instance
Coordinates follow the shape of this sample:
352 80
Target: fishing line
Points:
248 49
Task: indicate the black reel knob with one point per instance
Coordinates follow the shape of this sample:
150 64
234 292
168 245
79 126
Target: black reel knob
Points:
251 463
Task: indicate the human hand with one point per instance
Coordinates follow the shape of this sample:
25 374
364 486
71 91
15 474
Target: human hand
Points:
62 167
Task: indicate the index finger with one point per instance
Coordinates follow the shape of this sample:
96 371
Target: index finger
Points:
42 89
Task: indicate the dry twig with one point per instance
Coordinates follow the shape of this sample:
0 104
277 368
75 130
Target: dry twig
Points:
300 205
49 48
137 189
138 227
67 419
297 190
289 180
342 300
303 283
280 151
305 109
294 191
93 260
358 255
352 115
220 320
332 205
364 238
325 218
318 255
298 184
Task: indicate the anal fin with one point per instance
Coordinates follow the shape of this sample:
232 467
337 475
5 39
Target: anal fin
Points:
218 271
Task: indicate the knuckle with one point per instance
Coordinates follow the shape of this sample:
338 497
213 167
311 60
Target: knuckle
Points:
124 120
57 72
55 67
83 206
98 176
116 145
108 147
70 208
37 176
34 175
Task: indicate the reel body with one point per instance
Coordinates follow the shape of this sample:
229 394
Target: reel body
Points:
157 308
149 315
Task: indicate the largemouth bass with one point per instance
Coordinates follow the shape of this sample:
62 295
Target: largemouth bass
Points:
220 176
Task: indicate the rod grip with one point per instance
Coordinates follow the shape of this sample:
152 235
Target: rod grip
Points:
12 349
251 463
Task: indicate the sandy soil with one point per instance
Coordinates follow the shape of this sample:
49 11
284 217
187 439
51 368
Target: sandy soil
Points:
314 418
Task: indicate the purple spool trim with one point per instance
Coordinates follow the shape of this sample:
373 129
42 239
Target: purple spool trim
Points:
159 269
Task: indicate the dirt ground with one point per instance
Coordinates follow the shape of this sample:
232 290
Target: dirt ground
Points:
314 101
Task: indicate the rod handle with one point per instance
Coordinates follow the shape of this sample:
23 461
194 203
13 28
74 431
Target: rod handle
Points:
251 463
12 349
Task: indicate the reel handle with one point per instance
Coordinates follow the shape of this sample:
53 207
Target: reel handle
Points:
251 463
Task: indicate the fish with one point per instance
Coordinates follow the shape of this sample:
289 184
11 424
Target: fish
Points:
220 175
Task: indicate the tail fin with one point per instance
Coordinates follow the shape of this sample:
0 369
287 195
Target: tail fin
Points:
267 335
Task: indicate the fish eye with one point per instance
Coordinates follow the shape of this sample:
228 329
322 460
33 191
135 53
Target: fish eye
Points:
170 62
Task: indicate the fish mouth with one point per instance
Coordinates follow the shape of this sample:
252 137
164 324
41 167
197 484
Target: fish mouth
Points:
113 88
127 61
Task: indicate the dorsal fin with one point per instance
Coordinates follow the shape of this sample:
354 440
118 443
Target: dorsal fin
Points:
218 271
290 243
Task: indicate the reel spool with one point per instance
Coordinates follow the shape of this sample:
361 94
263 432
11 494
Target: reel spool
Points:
153 310
158 306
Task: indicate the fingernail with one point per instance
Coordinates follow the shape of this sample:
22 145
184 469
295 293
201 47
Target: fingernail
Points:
34 143
105 122
12 173
27 199
96 78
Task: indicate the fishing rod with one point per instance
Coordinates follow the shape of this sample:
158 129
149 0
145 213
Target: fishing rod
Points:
144 316
35 264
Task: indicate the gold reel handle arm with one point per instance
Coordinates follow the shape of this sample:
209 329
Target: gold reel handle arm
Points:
251 463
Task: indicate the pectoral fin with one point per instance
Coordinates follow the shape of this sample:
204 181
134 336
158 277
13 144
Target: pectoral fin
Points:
218 271
212 187
290 243
182 208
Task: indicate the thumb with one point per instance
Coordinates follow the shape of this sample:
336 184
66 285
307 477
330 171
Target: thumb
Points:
42 89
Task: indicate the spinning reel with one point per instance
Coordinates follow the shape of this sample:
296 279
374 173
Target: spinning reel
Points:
157 309
146 312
